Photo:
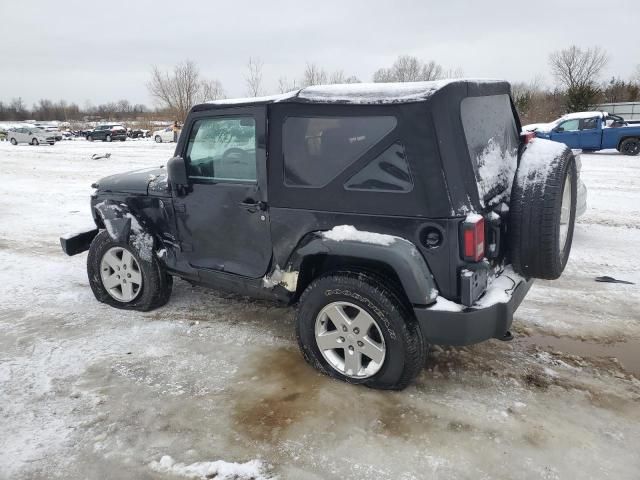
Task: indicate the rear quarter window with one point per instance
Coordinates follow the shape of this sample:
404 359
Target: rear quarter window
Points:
492 139
317 149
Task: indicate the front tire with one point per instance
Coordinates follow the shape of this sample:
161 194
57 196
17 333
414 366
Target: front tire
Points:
13 141
89 138
108 138
352 327
35 141
158 139
123 278
630 146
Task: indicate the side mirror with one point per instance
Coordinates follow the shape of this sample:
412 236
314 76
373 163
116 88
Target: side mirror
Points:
177 173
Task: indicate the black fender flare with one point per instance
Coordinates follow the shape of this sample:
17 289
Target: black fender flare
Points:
116 218
401 256
123 225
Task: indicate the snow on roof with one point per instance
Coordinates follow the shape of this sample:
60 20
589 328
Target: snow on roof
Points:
571 116
358 93
372 92
265 99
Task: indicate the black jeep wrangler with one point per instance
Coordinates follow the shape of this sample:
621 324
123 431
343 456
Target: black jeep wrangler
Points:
394 215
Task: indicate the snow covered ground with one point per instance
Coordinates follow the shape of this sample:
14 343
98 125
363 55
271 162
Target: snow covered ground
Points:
213 385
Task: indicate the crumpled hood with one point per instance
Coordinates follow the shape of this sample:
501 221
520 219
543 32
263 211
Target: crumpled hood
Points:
136 181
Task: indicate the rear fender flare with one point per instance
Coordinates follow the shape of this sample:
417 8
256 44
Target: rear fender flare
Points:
401 256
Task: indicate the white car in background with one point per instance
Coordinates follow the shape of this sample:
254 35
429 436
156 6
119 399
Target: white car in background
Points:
51 129
164 135
31 135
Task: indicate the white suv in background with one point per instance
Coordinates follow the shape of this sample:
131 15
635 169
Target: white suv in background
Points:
31 135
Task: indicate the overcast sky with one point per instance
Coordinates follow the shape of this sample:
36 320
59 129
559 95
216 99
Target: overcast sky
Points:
96 52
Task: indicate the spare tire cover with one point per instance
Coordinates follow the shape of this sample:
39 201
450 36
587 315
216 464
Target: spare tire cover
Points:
543 210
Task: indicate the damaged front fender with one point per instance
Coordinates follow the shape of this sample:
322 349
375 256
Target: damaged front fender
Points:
124 227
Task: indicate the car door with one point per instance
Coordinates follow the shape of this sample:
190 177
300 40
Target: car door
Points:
21 135
222 220
590 133
567 132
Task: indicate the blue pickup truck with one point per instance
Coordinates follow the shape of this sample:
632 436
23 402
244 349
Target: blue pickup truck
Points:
591 131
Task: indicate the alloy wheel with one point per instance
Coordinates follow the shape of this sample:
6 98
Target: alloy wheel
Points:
350 340
120 274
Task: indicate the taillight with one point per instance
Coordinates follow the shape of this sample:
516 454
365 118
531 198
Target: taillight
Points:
528 137
473 238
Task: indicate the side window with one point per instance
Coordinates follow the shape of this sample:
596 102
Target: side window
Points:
388 172
222 149
570 125
588 123
317 149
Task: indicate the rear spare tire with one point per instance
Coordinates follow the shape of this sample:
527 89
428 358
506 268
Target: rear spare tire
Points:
543 210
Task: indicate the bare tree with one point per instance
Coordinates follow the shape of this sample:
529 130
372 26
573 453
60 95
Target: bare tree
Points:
284 85
254 77
575 67
181 89
409 69
577 71
211 90
314 75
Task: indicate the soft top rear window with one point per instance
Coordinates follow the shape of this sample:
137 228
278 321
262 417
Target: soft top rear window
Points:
492 138
317 149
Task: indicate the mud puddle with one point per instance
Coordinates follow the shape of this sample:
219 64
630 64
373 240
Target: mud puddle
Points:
627 353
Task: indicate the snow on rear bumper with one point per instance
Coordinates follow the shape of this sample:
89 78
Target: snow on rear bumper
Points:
448 323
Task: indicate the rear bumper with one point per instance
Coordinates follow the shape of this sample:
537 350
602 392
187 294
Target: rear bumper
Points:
471 325
78 242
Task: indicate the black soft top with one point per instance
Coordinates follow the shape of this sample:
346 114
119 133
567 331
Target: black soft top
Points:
370 93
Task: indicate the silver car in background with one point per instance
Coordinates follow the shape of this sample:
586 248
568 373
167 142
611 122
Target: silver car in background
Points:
31 135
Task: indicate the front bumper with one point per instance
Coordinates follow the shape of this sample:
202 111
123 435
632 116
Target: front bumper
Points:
75 243
471 325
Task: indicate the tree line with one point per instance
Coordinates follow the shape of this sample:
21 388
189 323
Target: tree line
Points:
577 73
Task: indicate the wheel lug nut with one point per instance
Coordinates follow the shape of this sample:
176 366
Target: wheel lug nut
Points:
351 348
360 344
128 275
341 339
344 328
356 330
118 276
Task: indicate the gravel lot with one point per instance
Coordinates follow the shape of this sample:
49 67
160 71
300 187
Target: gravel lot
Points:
88 392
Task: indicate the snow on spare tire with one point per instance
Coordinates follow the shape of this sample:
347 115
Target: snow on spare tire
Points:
543 209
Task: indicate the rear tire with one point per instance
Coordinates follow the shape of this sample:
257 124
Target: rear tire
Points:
394 329
90 138
35 141
108 138
630 146
158 139
156 285
542 216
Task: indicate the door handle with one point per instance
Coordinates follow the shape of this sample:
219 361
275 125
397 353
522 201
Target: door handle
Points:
251 203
